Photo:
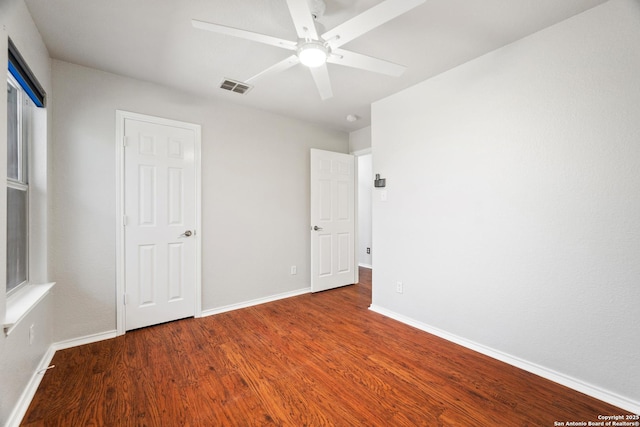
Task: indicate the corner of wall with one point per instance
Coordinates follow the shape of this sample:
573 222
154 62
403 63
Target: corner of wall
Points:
21 356
360 140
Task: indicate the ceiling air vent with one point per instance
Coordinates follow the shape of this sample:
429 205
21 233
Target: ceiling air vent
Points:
234 86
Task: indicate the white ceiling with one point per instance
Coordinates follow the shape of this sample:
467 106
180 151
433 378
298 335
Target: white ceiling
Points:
154 40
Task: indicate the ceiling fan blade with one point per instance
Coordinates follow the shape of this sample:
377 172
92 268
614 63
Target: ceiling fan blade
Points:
364 62
302 19
321 77
368 20
280 66
243 34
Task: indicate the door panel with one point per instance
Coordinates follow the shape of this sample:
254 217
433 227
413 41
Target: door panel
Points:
146 270
160 206
324 253
332 220
344 255
176 186
176 276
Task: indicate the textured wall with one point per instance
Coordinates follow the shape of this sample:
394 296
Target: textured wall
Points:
19 358
255 194
514 198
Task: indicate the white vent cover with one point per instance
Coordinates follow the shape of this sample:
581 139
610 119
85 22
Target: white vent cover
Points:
235 86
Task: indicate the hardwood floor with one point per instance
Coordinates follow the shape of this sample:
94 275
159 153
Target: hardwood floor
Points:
317 359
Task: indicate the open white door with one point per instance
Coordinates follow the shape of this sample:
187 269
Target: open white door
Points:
160 219
332 220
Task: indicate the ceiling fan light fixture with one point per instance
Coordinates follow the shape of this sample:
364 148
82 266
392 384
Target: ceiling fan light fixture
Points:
313 54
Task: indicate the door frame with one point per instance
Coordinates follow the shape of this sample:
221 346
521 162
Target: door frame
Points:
358 153
121 116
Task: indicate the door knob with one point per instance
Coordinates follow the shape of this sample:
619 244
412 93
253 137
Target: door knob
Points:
187 233
316 228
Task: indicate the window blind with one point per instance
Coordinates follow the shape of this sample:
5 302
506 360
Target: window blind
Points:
22 73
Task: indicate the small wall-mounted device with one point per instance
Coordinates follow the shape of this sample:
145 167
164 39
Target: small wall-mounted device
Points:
380 182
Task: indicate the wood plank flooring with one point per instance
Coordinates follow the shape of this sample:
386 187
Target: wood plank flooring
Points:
318 359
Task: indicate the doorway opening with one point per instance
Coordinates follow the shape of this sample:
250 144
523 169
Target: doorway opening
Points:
365 189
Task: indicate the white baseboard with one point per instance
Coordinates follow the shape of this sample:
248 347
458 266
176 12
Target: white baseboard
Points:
16 416
370 267
87 339
253 302
575 384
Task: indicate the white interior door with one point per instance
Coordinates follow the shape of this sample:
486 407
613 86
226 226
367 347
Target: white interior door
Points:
332 220
160 218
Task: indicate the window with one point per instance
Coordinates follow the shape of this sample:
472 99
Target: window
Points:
24 93
18 116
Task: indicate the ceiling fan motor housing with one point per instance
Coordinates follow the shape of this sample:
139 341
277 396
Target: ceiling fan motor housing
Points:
312 53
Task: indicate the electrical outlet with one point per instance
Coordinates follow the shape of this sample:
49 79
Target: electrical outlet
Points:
32 334
399 287
368 250
294 269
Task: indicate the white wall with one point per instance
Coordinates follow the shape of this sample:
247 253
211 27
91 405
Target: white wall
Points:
365 187
514 200
18 358
360 140
255 195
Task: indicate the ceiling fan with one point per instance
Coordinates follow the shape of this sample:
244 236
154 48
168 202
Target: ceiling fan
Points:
316 50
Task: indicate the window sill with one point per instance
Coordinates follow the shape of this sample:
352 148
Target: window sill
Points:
22 302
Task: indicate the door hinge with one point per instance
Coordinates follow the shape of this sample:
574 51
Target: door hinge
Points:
125 220
125 141
124 299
